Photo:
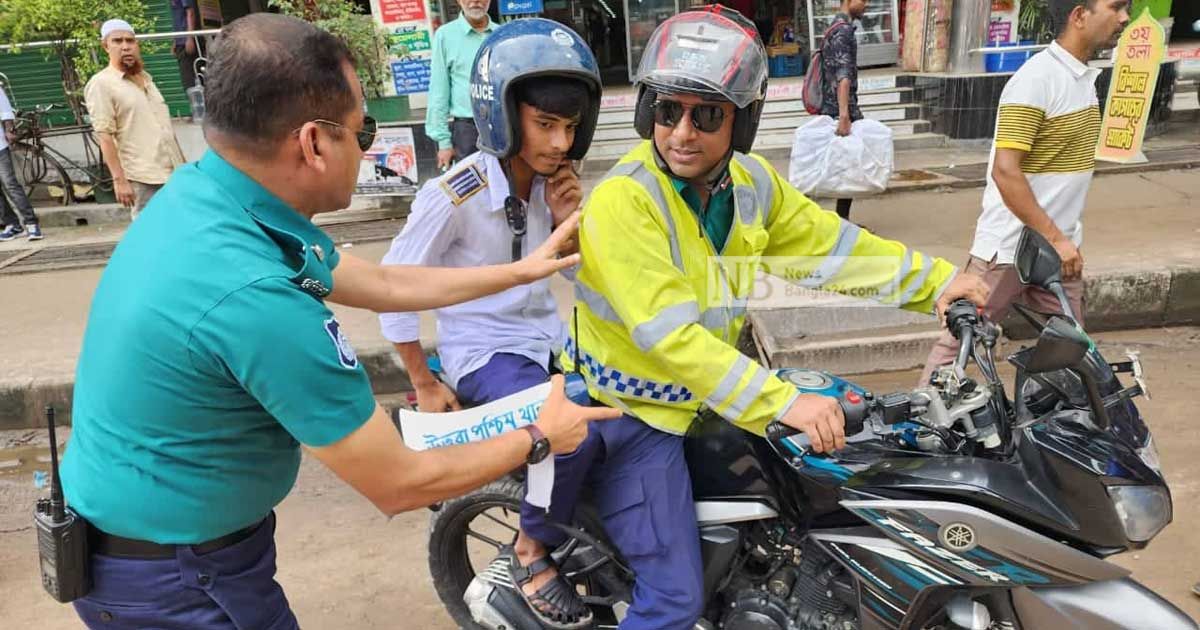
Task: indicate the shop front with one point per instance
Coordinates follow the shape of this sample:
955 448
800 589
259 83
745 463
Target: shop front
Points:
618 30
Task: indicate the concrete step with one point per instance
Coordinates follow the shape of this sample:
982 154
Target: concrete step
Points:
851 337
1185 106
81 214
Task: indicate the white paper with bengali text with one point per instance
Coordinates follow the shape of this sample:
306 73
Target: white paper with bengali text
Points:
422 431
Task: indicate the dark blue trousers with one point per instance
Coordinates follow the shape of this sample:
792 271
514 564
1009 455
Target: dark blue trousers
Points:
230 589
643 492
503 375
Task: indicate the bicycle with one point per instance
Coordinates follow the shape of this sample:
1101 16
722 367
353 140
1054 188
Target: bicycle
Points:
44 170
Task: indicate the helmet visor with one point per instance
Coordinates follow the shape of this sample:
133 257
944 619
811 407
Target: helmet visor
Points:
704 49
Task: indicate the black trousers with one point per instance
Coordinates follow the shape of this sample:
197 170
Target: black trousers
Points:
463 137
187 66
843 208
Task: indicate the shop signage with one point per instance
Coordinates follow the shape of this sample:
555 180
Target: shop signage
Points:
389 167
1131 91
520 7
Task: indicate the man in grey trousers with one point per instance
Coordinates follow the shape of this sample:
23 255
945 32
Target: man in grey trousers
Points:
12 192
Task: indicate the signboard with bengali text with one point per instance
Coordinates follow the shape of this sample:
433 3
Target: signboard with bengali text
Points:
1131 90
410 43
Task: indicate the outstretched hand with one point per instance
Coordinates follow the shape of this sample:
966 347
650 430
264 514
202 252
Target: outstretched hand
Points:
564 423
549 257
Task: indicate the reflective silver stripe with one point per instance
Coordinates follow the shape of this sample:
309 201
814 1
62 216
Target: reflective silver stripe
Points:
652 186
898 279
647 335
748 395
716 317
847 237
918 283
764 187
728 382
738 309
942 289
746 203
597 303
624 169
787 406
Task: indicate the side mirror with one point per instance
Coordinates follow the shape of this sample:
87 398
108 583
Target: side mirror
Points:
1060 346
1037 261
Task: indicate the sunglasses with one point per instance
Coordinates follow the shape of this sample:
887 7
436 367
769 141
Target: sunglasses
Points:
366 137
706 118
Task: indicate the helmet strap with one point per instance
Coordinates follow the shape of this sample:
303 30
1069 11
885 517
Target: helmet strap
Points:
514 211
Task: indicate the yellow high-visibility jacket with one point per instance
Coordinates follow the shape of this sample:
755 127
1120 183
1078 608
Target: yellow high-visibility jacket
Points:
659 308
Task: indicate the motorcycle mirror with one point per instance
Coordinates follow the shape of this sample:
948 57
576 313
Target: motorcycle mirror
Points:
1037 262
1061 345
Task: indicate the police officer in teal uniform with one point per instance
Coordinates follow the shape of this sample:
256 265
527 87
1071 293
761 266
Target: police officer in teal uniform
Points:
210 356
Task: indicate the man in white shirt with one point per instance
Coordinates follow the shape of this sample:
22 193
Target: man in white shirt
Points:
502 344
1042 162
10 187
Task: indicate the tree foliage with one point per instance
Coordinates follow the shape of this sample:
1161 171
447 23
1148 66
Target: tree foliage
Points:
366 40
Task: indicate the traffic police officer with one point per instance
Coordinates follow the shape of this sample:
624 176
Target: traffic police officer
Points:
210 355
671 242
501 344
535 92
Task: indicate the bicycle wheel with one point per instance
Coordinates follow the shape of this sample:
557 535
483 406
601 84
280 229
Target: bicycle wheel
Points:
43 176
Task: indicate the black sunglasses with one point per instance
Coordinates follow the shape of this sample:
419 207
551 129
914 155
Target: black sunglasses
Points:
366 137
706 118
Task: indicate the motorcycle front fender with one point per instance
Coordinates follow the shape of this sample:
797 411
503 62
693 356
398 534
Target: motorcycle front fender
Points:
1120 604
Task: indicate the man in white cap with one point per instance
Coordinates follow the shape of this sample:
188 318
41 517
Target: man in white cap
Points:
131 120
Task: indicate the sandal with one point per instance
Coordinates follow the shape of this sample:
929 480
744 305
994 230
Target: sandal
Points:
556 603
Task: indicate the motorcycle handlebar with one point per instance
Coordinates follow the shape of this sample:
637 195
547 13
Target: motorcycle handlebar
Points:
855 409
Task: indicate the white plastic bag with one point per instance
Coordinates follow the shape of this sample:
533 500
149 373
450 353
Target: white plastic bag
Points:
825 164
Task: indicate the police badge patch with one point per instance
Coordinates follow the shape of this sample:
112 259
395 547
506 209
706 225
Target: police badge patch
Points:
463 184
346 355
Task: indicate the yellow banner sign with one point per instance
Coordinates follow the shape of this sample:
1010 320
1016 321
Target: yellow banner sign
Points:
1131 90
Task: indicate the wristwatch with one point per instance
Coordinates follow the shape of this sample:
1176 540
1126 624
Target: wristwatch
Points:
541 445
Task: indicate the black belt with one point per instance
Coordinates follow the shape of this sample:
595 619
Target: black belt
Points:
107 544
465 120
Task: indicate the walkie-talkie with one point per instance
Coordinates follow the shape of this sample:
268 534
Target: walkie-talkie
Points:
62 537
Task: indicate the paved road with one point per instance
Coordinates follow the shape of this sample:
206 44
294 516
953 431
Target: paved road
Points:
345 566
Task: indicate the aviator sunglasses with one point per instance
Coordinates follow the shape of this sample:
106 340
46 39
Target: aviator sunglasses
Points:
366 137
706 118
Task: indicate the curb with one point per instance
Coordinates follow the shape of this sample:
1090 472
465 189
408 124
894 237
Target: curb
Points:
85 214
1115 300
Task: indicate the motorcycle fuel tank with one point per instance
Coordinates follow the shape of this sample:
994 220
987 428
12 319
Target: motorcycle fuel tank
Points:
727 462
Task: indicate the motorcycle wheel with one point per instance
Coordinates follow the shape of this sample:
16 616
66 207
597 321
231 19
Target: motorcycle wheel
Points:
465 535
453 541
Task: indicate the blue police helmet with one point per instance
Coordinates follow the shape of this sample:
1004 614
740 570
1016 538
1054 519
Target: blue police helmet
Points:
520 50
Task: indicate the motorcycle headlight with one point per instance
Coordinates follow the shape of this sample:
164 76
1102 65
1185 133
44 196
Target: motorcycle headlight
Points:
1149 455
1144 510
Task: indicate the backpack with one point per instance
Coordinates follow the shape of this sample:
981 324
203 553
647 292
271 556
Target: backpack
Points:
813 91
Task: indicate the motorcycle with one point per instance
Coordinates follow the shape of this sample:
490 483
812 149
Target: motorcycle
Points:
952 506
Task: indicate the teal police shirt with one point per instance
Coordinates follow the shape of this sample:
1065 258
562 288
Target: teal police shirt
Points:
209 358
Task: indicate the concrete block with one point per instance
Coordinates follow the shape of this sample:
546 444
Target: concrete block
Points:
1183 300
23 403
902 351
1125 300
385 370
79 215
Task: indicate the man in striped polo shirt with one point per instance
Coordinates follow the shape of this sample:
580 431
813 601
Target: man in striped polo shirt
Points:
1042 161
